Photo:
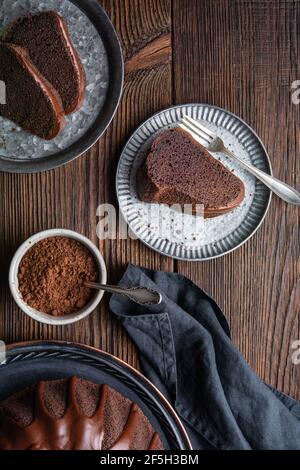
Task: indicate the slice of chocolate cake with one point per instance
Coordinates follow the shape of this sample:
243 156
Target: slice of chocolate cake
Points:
178 170
31 101
45 36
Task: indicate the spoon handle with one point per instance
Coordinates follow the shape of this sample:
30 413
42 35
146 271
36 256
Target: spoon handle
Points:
140 295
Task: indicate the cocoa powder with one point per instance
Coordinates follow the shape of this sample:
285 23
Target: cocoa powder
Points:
53 273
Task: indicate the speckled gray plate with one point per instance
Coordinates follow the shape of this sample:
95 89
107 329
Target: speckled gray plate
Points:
182 235
96 42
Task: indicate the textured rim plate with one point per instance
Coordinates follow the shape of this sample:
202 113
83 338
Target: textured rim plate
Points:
134 154
31 362
106 30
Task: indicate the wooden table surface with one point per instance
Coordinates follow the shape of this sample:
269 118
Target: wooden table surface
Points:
242 55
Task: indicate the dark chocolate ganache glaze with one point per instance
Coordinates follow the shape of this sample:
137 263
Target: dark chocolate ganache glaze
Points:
74 414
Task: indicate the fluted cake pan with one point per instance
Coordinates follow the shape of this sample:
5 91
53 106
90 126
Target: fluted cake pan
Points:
28 363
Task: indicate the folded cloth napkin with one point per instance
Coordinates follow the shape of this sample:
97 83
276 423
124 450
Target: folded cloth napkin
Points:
186 351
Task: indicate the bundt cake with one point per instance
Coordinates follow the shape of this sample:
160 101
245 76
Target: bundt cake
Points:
31 101
74 414
46 38
178 170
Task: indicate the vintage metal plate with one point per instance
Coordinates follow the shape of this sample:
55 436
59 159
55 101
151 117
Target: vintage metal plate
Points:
184 236
97 44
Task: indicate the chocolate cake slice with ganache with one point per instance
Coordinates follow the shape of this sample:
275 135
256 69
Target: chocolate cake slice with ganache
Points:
46 37
178 170
30 100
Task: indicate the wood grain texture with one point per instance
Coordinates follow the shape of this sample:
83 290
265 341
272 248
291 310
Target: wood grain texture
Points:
68 197
244 58
239 54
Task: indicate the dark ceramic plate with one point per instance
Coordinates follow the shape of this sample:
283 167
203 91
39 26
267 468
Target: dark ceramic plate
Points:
27 363
97 44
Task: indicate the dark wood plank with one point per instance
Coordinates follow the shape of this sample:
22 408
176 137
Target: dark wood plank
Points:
68 197
239 54
243 56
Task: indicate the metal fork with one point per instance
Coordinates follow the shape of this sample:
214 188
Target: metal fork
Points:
213 143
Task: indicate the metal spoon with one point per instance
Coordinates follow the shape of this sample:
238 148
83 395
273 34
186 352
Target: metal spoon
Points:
140 295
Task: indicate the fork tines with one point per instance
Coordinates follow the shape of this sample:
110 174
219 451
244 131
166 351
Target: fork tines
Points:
197 130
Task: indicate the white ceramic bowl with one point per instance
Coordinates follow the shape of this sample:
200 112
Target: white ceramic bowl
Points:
44 317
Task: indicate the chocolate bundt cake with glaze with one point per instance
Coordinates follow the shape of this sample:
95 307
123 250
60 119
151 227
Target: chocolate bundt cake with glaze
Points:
46 38
74 414
178 170
31 101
